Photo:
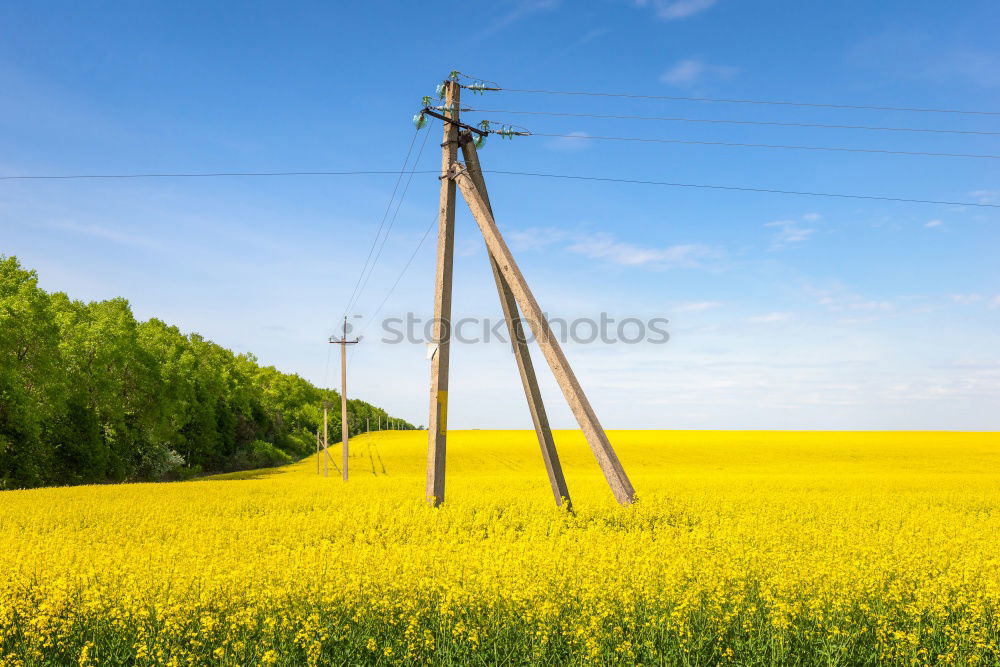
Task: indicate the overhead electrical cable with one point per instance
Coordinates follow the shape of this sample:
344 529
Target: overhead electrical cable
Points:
206 174
741 188
694 142
385 215
402 272
725 121
392 221
723 100
567 176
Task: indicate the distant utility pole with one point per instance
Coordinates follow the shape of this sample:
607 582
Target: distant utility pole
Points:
326 440
344 430
317 451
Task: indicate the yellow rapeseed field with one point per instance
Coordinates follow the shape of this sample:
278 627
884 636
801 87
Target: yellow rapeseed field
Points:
744 547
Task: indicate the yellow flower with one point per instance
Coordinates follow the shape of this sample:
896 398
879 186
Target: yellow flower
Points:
872 547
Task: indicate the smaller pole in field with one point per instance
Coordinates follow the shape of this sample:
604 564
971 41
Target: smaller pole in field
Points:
326 439
317 451
344 424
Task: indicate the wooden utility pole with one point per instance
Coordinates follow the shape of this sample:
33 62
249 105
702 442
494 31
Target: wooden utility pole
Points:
518 341
441 333
344 426
621 487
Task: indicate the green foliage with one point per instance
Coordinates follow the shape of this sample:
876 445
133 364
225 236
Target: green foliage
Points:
90 395
263 454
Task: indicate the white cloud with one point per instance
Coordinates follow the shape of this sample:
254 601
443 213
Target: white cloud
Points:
870 305
933 223
693 306
767 318
606 247
692 71
792 231
575 141
534 238
521 10
986 196
670 10
927 56
105 233
966 299
839 298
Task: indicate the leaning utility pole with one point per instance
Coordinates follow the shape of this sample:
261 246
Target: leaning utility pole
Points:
593 431
518 341
344 427
514 294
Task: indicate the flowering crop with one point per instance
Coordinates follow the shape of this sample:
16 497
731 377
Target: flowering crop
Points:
744 547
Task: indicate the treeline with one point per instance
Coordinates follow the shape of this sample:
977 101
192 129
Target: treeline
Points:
88 394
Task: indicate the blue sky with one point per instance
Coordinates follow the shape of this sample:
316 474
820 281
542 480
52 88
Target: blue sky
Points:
785 311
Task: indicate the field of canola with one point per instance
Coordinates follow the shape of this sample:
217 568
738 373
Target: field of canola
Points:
745 547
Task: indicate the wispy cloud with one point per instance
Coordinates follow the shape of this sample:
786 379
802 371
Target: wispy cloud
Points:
933 223
575 141
534 238
519 10
792 231
606 247
838 298
927 56
966 299
670 10
695 306
590 36
768 318
986 196
105 233
693 71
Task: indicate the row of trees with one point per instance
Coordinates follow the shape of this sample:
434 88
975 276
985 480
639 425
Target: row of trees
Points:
88 394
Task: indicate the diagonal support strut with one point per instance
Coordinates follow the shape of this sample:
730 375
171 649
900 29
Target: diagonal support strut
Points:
519 342
601 447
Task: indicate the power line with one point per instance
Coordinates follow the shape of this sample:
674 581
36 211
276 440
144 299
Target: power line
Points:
750 101
681 119
778 146
519 173
381 224
400 276
392 221
205 174
741 189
